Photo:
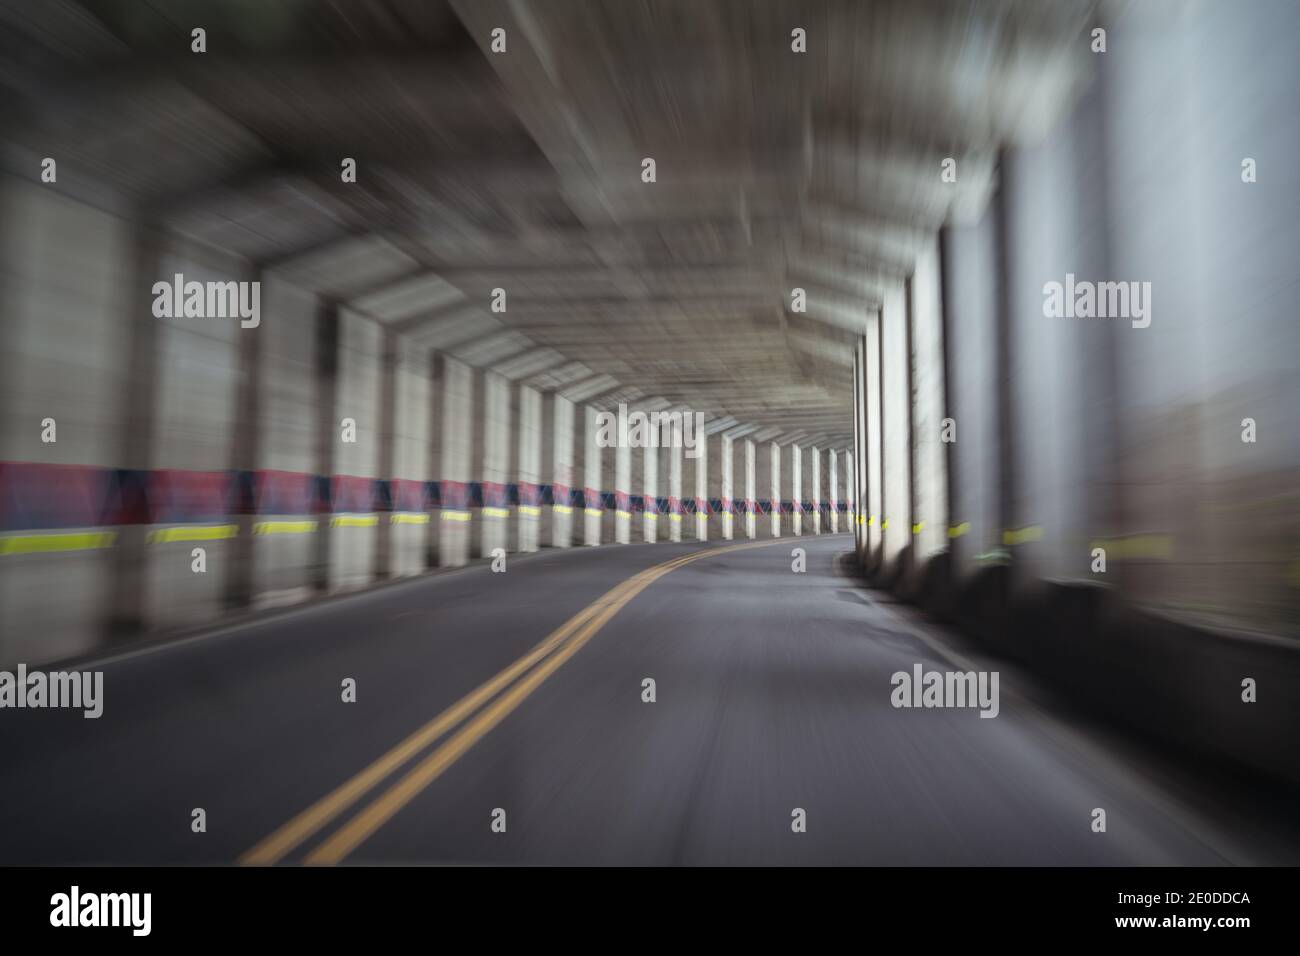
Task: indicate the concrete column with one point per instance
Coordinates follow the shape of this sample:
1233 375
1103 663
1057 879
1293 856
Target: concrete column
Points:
650 483
714 472
453 380
408 515
874 502
245 453
354 522
850 499
728 487
126 616
833 489
327 437
529 471
622 493
751 497
896 403
675 480
285 526
406 409
796 490
493 438
702 487
815 488
774 488
608 480
593 510
560 435
387 451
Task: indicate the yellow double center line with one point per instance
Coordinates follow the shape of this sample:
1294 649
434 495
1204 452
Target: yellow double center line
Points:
517 681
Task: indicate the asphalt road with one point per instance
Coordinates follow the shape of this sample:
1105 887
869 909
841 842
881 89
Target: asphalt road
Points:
772 693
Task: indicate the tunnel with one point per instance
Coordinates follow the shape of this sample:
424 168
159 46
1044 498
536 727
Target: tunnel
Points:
649 433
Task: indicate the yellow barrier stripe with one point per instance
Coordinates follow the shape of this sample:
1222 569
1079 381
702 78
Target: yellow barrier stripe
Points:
595 512
497 512
1136 546
956 531
562 509
1022 535
409 517
213 532
452 515
354 521
284 527
531 511
918 527
59 541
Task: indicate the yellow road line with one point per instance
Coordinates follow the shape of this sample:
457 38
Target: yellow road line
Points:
301 827
387 805
585 623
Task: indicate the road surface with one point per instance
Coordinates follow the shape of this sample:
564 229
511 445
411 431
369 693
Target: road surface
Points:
514 701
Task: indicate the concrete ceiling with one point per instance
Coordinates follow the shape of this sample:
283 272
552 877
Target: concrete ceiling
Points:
522 170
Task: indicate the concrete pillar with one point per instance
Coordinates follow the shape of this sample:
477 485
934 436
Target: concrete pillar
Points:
453 380
833 490
285 525
796 491
728 487
529 470
850 498
896 404
593 510
650 483
126 615
558 437
714 472
701 487
815 488
408 516
774 488
751 497
245 454
874 502
608 480
353 521
387 451
492 439
622 493
675 480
